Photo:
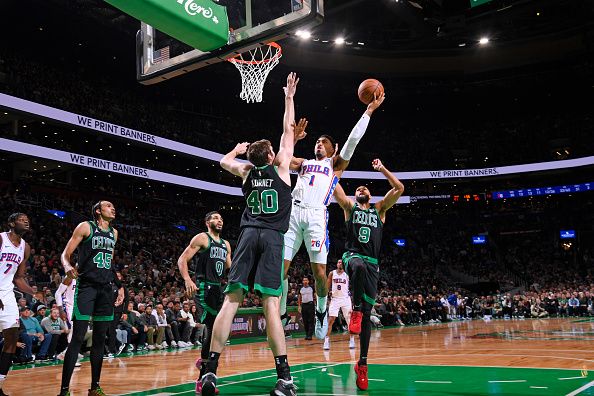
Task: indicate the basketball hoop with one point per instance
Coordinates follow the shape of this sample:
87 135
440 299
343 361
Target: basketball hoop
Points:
255 68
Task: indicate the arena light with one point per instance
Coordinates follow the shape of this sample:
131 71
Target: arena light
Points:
304 34
484 40
339 40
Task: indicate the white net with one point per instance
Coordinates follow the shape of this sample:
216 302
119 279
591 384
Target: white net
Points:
254 70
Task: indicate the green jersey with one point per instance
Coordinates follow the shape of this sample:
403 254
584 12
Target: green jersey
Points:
95 254
364 232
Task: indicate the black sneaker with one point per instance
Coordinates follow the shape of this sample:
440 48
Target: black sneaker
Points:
209 384
284 388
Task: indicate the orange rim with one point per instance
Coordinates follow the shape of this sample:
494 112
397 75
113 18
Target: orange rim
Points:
237 59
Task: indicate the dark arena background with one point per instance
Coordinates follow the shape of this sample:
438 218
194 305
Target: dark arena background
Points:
486 270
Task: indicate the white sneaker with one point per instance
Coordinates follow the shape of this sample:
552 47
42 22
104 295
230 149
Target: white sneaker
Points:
159 347
321 328
164 345
151 347
80 356
352 343
61 355
327 343
174 344
198 343
77 364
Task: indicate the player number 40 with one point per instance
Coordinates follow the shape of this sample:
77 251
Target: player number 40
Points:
265 202
102 260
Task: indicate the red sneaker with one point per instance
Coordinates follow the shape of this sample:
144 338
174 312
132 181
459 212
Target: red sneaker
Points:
361 372
199 388
355 325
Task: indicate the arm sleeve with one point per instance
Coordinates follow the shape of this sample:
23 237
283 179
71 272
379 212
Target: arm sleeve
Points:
355 136
58 296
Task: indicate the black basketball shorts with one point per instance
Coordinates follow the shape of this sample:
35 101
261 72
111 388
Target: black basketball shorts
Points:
371 266
93 301
258 262
209 299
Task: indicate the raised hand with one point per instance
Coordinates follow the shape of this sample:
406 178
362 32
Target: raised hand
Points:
291 88
299 129
376 102
241 148
377 164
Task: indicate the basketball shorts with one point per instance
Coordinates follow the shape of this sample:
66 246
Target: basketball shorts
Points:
257 262
309 225
9 316
371 266
94 301
209 299
337 304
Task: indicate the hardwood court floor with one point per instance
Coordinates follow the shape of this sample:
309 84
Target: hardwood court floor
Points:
500 357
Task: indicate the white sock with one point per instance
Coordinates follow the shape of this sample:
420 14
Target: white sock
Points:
321 307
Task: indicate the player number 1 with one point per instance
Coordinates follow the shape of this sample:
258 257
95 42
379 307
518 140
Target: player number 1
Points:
311 181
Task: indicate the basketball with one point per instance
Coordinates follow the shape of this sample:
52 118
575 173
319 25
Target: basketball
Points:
367 88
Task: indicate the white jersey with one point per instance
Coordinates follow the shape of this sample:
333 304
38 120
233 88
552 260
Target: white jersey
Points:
10 258
340 285
316 183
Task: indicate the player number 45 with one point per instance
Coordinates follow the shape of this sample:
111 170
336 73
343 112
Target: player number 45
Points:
103 260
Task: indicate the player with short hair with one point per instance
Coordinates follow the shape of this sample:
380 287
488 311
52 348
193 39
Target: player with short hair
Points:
214 257
14 253
365 223
340 300
316 181
94 297
257 262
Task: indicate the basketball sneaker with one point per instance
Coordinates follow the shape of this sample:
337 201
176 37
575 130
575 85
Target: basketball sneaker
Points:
327 343
321 328
96 392
209 384
199 388
361 372
352 343
284 388
355 325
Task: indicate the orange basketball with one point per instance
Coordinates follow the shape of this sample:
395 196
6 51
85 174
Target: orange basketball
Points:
369 87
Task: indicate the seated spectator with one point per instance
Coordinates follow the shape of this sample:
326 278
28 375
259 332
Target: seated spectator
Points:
150 325
164 329
538 310
59 331
34 335
376 318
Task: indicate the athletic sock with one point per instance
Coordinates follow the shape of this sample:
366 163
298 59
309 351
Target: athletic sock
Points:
213 362
282 367
321 307
362 361
283 300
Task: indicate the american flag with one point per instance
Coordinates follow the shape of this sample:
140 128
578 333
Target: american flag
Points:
161 55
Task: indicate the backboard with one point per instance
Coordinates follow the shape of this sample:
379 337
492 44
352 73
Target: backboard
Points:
252 23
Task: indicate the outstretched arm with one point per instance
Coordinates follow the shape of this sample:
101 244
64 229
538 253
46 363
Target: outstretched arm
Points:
391 196
342 160
287 143
345 202
231 165
299 133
